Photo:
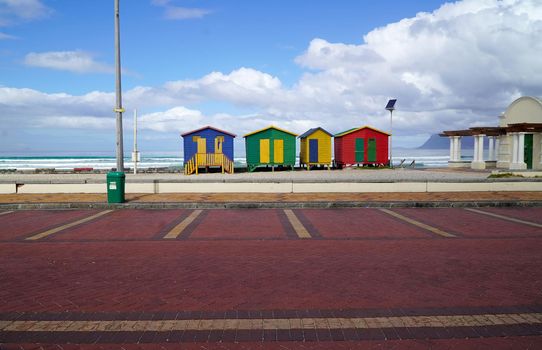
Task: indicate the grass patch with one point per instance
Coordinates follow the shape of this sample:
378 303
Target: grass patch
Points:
369 167
503 175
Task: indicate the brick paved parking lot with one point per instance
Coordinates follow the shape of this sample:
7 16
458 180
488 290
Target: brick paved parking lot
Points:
271 279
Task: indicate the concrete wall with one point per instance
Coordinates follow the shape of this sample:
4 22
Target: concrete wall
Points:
8 188
279 187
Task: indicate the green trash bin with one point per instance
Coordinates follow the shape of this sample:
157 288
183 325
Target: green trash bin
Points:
115 187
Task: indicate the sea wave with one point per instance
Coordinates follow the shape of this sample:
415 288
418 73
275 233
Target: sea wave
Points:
421 158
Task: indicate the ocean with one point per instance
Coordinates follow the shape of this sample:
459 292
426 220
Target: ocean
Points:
423 158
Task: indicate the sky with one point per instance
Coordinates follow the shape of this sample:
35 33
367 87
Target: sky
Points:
242 65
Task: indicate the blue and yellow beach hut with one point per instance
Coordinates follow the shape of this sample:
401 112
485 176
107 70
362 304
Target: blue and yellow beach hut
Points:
315 148
208 147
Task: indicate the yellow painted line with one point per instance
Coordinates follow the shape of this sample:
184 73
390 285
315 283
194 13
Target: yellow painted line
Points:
438 321
67 226
419 224
296 224
178 230
505 217
5 212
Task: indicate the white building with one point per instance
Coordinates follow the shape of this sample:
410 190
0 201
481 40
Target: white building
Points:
515 144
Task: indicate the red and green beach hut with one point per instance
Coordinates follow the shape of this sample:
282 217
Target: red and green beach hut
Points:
315 147
361 146
270 146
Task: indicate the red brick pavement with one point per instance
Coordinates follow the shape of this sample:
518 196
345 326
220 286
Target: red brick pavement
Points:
471 225
271 275
370 273
508 343
353 223
242 224
125 225
22 224
532 214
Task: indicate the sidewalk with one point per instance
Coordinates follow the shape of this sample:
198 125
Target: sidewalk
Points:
274 200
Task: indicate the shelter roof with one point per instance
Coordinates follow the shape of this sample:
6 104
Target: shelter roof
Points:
208 127
312 131
456 133
524 127
495 130
270 127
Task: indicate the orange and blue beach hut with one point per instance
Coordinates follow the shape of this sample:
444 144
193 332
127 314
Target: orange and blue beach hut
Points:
270 146
208 147
315 147
361 146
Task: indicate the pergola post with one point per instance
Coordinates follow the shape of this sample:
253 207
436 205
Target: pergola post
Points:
478 156
518 144
458 148
491 156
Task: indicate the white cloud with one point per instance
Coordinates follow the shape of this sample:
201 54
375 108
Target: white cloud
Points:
458 66
72 61
12 11
173 12
176 12
77 122
243 86
172 120
4 36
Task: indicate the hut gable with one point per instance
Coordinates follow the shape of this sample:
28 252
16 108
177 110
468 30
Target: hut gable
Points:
216 141
364 145
270 146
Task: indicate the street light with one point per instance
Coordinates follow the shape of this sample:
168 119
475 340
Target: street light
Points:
391 107
118 106
116 179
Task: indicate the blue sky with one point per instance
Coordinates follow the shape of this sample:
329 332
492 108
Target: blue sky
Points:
241 65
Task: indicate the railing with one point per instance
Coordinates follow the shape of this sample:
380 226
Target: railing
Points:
189 167
208 159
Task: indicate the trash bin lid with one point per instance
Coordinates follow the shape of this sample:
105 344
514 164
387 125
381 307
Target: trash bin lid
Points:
115 174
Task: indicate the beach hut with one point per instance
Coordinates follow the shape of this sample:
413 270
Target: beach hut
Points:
365 145
208 147
315 148
270 146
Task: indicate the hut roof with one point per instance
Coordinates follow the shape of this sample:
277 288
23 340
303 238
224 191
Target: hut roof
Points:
349 131
270 127
208 127
313 130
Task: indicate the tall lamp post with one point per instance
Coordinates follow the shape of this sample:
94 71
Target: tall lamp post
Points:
391 107
116 180
118 104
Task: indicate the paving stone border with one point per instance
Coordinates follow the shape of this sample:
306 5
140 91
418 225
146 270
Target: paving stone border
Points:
271 205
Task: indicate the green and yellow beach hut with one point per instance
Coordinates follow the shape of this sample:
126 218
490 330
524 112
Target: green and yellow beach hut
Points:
315 148
270 146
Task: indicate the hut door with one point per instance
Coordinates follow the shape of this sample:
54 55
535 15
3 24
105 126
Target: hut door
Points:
278 151
528 151
371 150
313 151
219 140
264 151
360 150
201 143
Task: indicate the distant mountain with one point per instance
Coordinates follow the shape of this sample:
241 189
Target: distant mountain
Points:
439 142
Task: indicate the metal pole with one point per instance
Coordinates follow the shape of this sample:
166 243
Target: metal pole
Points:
391 133
118 105
135 156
